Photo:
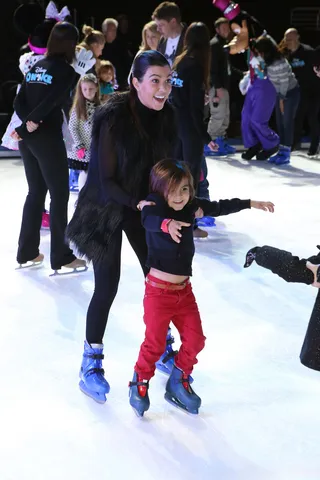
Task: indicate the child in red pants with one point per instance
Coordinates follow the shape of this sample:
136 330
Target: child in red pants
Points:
168 295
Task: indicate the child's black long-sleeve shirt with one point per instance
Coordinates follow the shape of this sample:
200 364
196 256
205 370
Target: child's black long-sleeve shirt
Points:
165 254
43 93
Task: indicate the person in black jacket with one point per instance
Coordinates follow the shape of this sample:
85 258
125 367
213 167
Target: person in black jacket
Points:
168 19
301 57
191 82
293 269
131 132
39 105
168 296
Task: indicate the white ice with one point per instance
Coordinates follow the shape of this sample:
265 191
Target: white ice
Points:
260 418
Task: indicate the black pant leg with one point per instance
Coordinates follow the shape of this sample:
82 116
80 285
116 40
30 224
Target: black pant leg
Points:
49 149
29 238
106 282
310 352
313 120
192 152
300 117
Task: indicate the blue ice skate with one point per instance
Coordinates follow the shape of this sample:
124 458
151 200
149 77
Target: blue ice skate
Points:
205 222
92 381
224 147
138 395
166 361
73 181
282 157
180 394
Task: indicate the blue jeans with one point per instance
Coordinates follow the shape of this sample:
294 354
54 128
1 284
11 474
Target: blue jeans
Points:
286 121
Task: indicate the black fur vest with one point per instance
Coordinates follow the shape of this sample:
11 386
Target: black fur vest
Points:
141 138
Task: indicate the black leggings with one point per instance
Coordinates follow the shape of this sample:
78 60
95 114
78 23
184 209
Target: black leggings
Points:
190 150
107 276
46 167
293 269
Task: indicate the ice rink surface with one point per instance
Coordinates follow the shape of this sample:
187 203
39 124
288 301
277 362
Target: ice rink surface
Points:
260 417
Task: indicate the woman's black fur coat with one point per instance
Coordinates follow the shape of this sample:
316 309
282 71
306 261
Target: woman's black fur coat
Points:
140 140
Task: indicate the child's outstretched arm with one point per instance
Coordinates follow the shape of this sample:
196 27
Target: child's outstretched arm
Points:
291 268
226 207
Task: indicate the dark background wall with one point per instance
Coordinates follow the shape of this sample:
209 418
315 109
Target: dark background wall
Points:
275 15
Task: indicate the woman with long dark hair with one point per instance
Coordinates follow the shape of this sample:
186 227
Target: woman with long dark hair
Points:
39 105
190 83
131 133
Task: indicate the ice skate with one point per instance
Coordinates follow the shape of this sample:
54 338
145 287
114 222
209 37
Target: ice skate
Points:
92 381
76 266
36 262
199 233
180 394
138 395
205 222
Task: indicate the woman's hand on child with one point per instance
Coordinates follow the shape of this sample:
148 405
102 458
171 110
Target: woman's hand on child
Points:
199 213
266 206
144 203
81 153
31 126
315 269
174 228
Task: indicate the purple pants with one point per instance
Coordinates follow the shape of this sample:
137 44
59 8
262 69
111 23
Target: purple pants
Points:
258 107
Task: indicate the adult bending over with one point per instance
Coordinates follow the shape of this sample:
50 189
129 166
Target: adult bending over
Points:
131 133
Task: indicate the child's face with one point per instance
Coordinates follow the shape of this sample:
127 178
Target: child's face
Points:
178 199
89 90
106 76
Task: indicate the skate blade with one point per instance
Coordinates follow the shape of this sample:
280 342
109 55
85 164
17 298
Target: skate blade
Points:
97 397
62 272
29 264
173 401
137 412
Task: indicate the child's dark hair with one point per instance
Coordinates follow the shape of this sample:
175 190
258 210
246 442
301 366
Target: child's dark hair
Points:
268 47
167 175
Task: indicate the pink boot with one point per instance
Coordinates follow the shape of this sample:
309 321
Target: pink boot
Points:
45 224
